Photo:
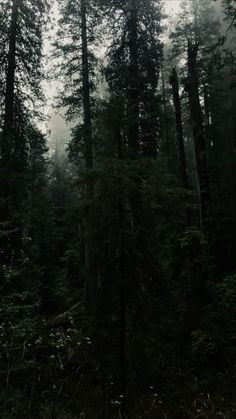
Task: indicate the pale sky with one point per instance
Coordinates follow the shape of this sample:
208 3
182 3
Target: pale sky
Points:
172 5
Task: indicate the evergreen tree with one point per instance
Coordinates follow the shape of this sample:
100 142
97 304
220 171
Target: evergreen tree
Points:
78 69
230 11
179 127
133 70
113 303
20 76
200 48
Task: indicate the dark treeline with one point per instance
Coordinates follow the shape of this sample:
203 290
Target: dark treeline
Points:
117 277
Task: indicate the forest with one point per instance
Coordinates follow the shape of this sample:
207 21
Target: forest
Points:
118 239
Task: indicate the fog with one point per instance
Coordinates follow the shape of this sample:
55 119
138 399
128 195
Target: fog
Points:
56 126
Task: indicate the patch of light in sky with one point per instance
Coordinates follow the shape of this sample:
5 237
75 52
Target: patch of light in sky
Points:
172 6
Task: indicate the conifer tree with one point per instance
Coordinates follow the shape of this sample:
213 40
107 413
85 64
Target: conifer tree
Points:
199 48
179 127
20 57
78 70
133 70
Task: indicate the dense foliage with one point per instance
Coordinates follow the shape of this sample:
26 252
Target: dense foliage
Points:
118 276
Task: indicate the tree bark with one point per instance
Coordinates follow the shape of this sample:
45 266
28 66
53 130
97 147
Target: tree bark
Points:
86 92
179 128
10 86
11 238
90 276
133 95
198 134
122 286
165 123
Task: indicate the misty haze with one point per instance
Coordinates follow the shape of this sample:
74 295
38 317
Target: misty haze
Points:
117 209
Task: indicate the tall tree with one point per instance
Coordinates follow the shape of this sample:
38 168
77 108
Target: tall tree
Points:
134 57
90 272
198 134
133 88
10 83
230 11
86 94
78 69
179 127
196 35
20 57
133 70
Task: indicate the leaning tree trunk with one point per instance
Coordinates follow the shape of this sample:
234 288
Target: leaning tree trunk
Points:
133 95
90 277
198 135
179 128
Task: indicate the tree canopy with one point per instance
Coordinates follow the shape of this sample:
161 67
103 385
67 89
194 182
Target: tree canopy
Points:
117 251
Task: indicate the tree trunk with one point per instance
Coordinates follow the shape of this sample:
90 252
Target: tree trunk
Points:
86 93
90 277
122 288
11 234
179 128
133 95
198 134
10 86
165 123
